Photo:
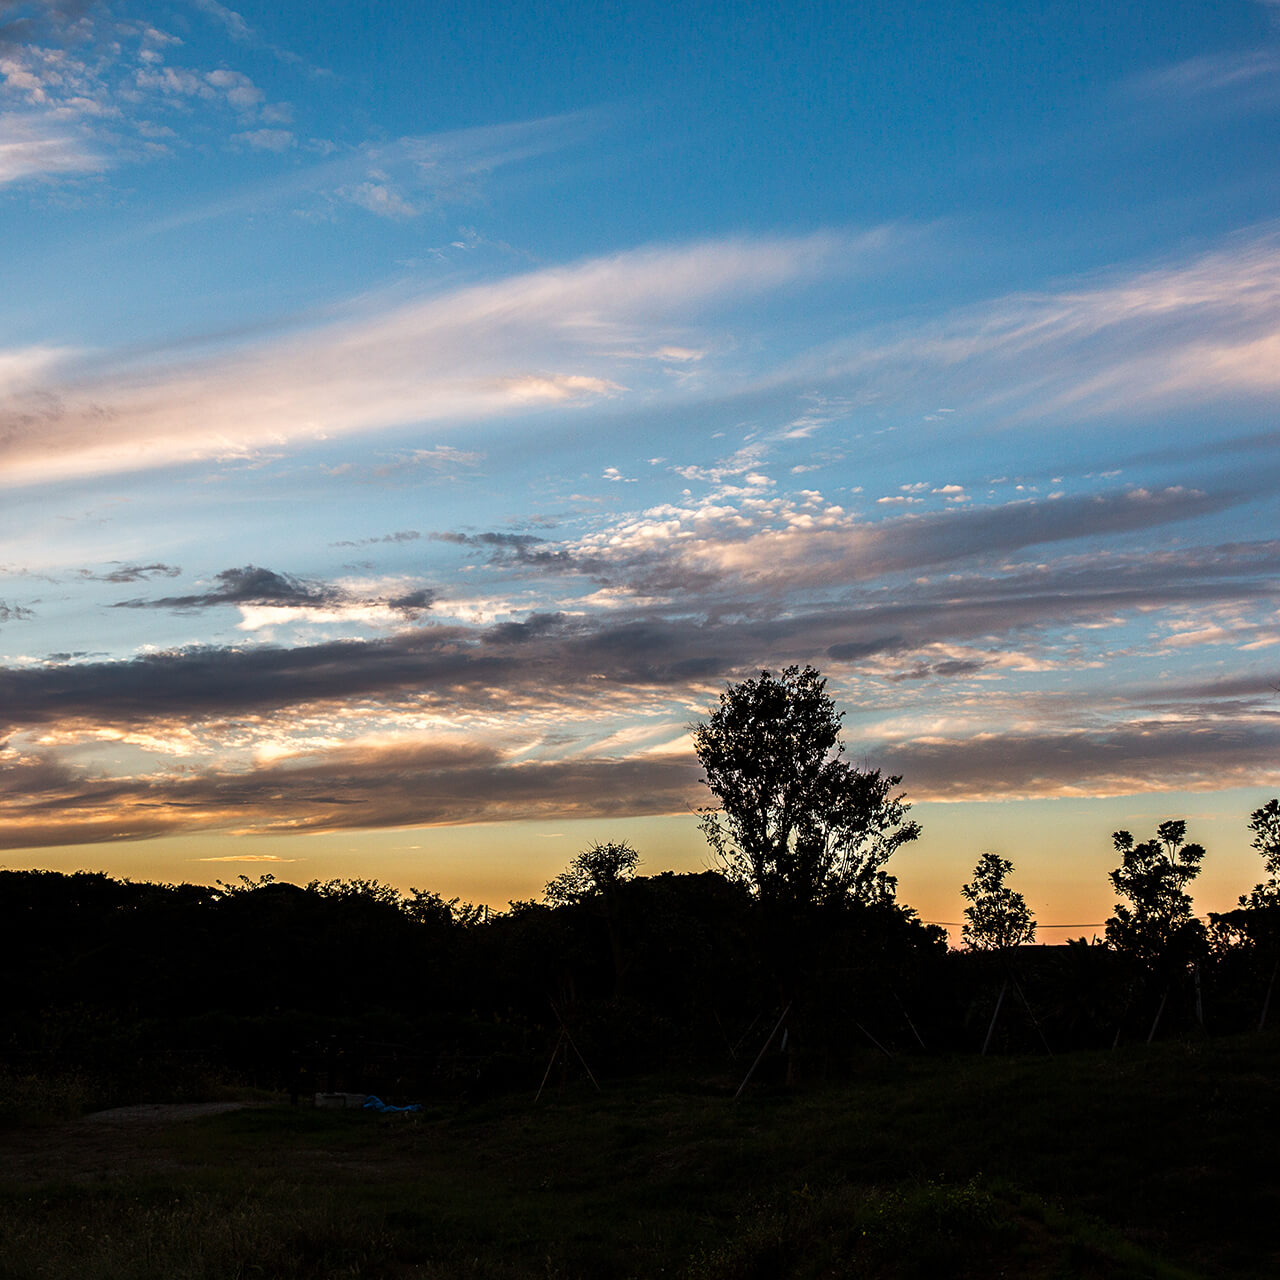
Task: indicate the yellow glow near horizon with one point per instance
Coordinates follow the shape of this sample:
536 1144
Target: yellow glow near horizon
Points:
1061 851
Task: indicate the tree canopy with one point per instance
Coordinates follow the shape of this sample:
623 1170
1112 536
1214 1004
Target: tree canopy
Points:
997 917
796 822
1265 825
1158 923
597 869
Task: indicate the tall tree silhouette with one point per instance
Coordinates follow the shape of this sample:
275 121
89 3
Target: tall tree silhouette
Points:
796 822
1259 915
1157 930
997 917
1158 924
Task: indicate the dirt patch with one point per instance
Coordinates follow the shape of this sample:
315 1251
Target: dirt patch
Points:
160 1112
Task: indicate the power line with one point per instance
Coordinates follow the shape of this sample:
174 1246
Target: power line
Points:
956 924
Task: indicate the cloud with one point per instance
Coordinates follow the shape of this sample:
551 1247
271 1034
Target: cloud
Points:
555 659
401 535
540 338
1187 332
400 178
266 139
356 787
38 147
14 613
133 573
235 25
92 87
266 598
249 857
249 585
1239 78
1132 759
792 543
420 782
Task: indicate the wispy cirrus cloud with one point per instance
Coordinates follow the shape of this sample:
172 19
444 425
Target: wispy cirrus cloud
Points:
43 146
539 339
1237 79
1129 342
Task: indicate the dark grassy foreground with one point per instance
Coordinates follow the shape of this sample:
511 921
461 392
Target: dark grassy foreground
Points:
1156 1162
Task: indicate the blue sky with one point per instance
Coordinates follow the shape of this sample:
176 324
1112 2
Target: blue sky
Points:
411 417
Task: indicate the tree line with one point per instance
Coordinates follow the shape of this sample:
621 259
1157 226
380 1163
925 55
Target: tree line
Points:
793 959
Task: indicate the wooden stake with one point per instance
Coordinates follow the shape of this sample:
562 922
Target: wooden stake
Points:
760 1055
991 1029
1156 1022
555 1053
1026 1004
912 1025
564 1031
1266 1004
873 1040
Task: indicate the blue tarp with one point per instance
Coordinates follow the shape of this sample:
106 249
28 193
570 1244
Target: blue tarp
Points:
372 1103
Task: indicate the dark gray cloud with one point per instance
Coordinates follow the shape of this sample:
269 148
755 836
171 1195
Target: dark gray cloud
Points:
45 802
133 573
254 586
502 541
249 585
1139 756
916 542
413 603
527 551
853 650
950 668
554 657
535 626
14 612
401 535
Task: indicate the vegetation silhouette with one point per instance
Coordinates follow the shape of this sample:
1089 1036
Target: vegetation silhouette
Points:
796 823
998 922
997 917
804 831
1156 932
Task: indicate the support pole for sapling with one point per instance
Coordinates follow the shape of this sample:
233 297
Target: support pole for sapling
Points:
760 1056
986 1044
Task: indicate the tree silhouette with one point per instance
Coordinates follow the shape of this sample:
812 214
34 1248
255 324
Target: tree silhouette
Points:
594 877
796 823
1158 932
597 870
1265 825
1159 926
997 918
1258 916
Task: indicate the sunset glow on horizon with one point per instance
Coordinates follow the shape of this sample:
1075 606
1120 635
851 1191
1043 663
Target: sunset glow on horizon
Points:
413 417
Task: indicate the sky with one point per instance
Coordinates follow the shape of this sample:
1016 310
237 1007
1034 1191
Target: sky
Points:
413 416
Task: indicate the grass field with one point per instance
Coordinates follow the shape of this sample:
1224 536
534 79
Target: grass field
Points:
1141 1162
